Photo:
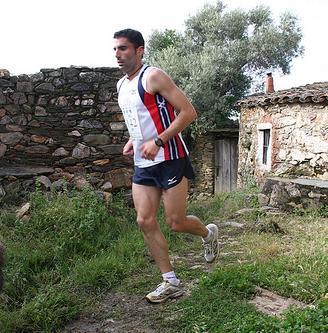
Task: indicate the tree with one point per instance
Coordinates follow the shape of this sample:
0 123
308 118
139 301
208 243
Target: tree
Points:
221 53
162 40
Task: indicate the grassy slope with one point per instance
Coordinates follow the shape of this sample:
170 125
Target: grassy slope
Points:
75 248
69 250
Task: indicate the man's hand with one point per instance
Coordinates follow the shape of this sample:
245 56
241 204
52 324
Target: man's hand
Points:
128 148
149 150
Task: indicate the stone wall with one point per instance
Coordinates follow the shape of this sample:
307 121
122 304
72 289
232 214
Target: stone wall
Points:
290 194
62 123
202 157
299 142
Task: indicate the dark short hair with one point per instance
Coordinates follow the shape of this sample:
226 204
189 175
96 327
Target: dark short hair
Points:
133 36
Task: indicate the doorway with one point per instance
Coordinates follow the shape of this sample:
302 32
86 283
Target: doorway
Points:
226 164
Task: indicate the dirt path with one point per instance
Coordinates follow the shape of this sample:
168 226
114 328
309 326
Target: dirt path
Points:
121 312
134 315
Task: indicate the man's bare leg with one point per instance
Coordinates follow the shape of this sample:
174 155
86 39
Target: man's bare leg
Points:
146 200
175 209
175 202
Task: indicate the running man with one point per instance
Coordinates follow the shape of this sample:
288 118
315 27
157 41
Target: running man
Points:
155 112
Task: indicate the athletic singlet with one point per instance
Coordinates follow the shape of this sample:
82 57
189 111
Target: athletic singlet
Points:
146 116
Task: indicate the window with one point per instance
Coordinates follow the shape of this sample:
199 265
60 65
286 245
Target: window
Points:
266 143
264 146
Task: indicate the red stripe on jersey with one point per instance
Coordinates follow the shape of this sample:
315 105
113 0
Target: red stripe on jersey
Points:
181 151
150 104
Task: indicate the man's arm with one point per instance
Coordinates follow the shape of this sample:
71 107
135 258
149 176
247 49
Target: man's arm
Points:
159 82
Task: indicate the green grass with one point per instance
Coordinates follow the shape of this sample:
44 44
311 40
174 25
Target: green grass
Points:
75 248
69 249
291 261
220 304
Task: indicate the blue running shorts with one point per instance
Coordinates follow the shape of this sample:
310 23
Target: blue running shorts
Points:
164 175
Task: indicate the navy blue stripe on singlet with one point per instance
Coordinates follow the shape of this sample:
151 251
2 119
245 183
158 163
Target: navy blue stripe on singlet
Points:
141 89
174 142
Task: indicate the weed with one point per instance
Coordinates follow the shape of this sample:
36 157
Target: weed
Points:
321 212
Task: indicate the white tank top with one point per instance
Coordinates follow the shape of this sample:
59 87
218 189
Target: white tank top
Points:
147 116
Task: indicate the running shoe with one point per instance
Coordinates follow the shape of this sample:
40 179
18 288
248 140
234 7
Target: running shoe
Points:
164 291
211 248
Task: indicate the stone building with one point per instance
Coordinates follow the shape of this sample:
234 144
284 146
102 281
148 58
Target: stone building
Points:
285 134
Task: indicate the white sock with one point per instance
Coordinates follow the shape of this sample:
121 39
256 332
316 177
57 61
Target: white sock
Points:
171 277
209 236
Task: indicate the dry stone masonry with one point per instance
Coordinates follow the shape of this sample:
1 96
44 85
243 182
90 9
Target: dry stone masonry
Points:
64 125
202 157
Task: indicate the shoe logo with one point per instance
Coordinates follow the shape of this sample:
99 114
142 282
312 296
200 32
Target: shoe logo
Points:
171 181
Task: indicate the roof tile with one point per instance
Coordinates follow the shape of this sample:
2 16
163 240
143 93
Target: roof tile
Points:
311 93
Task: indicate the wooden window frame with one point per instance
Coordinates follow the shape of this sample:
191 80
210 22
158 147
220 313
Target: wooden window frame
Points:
264 151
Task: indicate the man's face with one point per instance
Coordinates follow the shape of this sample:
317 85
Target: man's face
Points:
128 57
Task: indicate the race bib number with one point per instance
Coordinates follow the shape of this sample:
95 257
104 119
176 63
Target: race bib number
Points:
132 122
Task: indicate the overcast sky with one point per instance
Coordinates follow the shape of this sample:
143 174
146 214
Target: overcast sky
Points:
39 34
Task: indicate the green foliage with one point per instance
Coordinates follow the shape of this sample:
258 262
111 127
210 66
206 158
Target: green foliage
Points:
225 204
69 247
221 54
163 40
312 319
